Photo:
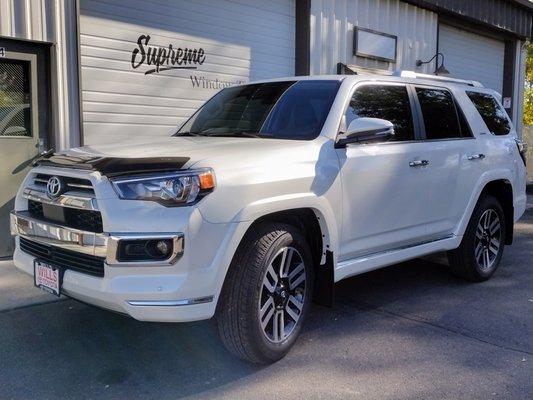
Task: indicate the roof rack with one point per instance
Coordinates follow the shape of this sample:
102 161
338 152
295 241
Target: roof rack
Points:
412 74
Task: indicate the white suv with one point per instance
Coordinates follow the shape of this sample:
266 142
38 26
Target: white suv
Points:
268 195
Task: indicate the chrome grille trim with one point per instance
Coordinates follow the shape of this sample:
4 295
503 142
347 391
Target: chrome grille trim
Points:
64 200
90 243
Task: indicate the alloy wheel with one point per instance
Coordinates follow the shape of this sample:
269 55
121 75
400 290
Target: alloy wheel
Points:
488 239
282 296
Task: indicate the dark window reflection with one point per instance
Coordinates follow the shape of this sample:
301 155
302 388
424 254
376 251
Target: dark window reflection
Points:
281 110
15 98
439 113
386 102
494 116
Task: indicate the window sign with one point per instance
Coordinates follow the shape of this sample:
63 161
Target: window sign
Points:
372 44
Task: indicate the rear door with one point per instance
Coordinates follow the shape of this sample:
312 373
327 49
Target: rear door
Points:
451 151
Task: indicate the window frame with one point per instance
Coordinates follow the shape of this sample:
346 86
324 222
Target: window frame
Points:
31 60
417 137
420 115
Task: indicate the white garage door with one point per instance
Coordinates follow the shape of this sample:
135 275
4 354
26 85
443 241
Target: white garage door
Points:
471 56
147 65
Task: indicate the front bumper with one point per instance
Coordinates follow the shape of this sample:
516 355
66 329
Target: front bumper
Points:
116 294
147 291
94 244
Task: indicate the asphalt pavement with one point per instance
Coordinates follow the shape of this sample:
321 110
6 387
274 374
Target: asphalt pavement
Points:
410 331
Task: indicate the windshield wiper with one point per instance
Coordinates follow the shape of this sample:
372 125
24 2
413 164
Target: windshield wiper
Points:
189 133
250 134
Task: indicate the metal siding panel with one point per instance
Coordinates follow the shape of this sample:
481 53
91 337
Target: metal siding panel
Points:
513 16
243 40
332 33
471 56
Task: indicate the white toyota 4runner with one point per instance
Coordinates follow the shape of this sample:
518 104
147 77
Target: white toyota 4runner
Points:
268 195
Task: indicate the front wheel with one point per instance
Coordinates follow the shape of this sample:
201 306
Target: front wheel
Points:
481 249
267 293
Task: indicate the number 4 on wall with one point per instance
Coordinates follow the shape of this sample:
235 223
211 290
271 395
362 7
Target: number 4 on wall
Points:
2 52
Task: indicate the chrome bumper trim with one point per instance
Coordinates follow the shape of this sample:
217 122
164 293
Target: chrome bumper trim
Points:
170 303
96 244
65 200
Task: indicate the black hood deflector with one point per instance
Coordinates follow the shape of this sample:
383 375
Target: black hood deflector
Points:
114 166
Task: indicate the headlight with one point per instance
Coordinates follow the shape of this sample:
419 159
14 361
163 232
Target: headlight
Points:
170 189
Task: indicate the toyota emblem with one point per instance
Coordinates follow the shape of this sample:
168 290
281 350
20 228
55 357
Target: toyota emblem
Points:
54 187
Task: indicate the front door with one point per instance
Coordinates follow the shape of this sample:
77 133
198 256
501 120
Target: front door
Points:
19 127
384 191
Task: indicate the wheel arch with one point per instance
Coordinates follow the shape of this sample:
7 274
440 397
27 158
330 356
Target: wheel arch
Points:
502 190
500 186
313 224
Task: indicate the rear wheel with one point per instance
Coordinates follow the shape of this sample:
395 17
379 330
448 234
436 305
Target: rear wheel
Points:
481 249
267 293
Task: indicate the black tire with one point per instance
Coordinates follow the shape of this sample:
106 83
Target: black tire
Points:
466 262
238 313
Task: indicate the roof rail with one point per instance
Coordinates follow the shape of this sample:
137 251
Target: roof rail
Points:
412 74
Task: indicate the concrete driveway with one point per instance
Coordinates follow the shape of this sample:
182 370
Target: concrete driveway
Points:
409 331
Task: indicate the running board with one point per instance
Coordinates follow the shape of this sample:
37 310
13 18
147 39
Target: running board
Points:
370 262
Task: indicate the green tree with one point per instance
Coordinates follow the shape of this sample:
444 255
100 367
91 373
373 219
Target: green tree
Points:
528 90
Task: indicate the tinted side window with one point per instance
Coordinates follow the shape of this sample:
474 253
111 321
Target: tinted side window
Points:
385 102
494 116
439 113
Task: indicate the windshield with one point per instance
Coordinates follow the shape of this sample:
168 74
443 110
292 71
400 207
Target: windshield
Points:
280 110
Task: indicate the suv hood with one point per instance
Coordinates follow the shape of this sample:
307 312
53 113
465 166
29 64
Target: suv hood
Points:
188 151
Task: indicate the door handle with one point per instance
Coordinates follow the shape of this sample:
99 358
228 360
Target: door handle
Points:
479 156
418 163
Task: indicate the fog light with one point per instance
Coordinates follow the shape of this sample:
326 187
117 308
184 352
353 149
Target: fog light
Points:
159 249
143 250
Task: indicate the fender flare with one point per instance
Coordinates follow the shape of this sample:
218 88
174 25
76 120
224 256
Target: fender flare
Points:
320 206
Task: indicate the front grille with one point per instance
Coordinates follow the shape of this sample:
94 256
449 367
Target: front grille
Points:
64 259
85 220
72 184
35 209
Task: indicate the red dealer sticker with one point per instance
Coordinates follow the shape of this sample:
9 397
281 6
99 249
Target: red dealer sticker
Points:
47 277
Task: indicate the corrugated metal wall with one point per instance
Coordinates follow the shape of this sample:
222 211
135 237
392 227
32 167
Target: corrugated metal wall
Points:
471 56
332 23
51 21
242 39
514 16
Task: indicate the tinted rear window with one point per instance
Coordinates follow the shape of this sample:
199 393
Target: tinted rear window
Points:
439 112
491 112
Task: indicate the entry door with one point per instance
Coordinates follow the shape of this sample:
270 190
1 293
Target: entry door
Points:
19 131
383 188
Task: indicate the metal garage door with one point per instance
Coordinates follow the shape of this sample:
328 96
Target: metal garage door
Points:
126 93
471 56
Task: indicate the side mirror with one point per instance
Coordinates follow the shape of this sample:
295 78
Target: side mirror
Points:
364 130
15 131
